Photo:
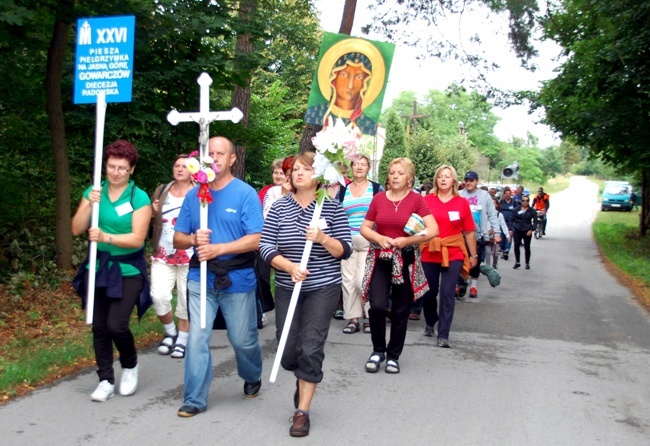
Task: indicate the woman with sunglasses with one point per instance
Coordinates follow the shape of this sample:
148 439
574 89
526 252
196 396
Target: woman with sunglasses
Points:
523 222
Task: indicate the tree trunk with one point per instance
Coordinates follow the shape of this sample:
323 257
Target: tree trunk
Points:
644 217
55 60
241 95
347 21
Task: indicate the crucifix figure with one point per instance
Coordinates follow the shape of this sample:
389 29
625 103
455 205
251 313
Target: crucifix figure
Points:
203 118
414 117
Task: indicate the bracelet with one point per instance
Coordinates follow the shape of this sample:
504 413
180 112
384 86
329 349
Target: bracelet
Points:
475 256
110 240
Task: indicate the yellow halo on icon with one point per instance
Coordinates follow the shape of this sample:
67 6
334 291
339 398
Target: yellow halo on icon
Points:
333 54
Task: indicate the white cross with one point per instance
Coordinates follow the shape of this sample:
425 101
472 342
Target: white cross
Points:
203 118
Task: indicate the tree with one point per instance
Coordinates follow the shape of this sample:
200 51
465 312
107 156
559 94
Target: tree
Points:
600 98
429 151
395 145
53 74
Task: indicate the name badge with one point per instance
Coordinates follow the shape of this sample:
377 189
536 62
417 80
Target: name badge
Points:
123 209
454 215
520 212
322 223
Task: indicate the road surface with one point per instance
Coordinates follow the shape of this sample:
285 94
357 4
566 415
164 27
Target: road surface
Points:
556 355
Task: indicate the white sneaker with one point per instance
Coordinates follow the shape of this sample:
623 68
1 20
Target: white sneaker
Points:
104 391
129 381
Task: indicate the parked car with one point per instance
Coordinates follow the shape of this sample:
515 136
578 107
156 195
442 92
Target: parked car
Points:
617 196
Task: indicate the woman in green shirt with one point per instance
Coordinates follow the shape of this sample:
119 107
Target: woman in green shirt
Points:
121 279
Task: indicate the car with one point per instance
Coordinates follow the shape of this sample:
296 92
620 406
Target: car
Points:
616 196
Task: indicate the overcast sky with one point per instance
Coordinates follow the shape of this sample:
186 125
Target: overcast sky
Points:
408 73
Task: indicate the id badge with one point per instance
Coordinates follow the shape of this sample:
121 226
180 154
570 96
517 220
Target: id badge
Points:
123 209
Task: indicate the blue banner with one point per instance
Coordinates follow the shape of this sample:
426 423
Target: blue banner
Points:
104 59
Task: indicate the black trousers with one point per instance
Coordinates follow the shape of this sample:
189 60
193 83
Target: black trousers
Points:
519 237
401 297
445 280
111 326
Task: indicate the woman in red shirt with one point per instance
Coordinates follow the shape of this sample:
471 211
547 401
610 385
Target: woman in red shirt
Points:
447 255
390 254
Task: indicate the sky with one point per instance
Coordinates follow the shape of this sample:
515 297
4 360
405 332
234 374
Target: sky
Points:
410 74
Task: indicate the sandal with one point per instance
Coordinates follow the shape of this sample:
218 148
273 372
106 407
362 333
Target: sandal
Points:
352 327
392 366
178 351
372 365
366 327
166 345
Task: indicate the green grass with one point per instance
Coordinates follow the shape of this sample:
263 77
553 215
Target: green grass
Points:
30 360
617 234
552 186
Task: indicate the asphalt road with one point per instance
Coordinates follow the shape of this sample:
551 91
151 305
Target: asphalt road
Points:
557 355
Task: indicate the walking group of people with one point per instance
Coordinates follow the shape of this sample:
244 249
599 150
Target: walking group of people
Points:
381 250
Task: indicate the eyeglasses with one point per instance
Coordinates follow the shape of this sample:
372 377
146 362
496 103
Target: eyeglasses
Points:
525 200
120 169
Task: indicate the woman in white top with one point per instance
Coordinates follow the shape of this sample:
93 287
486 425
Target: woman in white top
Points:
169 266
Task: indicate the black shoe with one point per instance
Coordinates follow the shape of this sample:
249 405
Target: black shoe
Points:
252 389
428 331
516 265
527 266
187 411
300 426
504 257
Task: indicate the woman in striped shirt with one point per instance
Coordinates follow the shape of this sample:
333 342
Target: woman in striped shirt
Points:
356 198
286 229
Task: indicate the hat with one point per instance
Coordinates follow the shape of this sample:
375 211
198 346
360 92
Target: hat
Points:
471 175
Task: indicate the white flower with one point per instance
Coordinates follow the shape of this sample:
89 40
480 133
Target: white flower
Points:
207 160
320 165
193 166
332 175
210 173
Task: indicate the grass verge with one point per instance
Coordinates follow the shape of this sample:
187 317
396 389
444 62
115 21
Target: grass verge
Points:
617 236
43 337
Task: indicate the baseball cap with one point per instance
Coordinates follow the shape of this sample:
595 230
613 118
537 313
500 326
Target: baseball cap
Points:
471 175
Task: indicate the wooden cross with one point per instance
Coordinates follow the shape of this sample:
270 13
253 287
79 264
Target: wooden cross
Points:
203 118
414 117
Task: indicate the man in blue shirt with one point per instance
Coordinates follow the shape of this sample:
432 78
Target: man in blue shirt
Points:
228 245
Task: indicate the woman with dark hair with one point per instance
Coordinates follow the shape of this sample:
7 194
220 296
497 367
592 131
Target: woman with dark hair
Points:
523 222
121 277
169 265
392 251
286 229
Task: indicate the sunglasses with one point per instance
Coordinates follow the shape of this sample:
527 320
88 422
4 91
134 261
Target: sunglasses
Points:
525 201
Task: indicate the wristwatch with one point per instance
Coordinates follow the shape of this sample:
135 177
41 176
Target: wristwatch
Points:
475 256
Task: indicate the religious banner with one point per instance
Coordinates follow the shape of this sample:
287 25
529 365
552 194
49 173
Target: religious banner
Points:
350 81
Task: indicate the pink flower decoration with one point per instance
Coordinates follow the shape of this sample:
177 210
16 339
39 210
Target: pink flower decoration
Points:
194 154
200 177
215 168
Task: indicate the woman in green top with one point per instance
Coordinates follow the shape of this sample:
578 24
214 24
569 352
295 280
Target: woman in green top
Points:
124 216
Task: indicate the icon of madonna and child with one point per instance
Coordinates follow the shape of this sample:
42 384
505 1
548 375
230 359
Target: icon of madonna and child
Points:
350 81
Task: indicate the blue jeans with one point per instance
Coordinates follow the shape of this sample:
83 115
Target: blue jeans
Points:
505 244
241 319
